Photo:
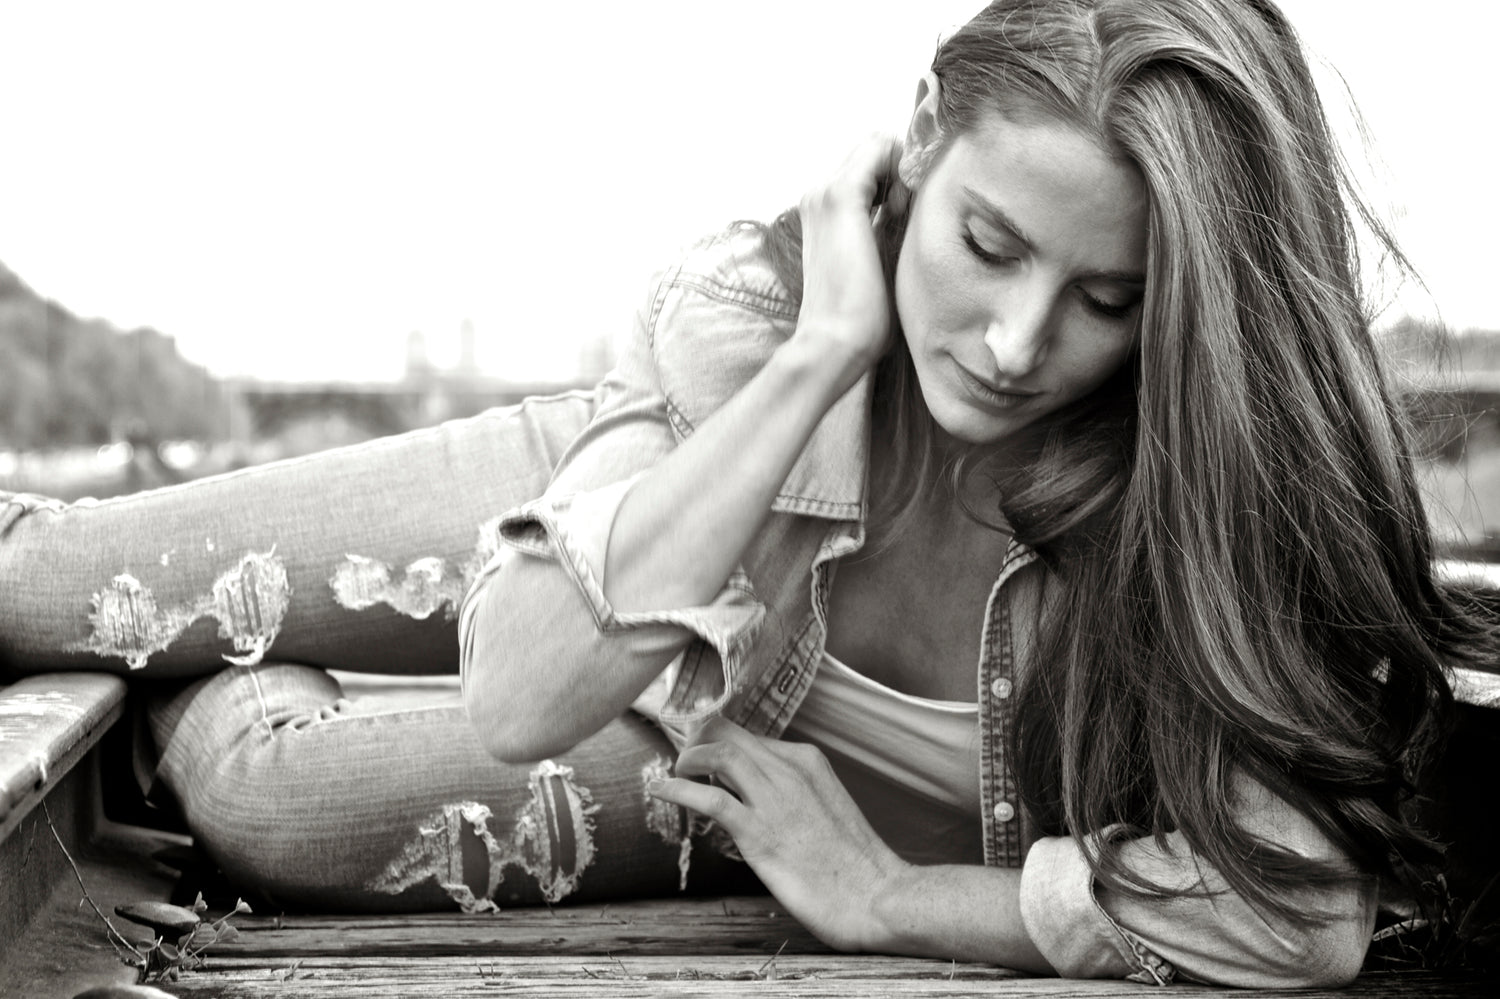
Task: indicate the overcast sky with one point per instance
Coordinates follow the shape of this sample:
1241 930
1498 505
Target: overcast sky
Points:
290 188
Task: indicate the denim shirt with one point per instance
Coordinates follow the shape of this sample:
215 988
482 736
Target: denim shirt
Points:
709 325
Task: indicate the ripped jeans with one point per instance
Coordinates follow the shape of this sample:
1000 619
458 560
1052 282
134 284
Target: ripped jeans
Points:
230 597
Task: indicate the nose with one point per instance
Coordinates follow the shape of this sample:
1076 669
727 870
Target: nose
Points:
1020 333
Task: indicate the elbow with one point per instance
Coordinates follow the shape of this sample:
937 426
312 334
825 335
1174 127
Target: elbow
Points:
508 703
1331 954
510 742
1315 961
1325 955
1335 955
502 672
513 719
1321 965
539 674
533 666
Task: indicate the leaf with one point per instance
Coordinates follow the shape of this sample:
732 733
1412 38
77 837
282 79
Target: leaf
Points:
201 936
167 920
200 906
227 934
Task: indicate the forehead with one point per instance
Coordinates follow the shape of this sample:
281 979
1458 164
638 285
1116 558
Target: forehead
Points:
1070 196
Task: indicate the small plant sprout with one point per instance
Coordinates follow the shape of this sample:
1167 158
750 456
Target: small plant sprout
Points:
181 935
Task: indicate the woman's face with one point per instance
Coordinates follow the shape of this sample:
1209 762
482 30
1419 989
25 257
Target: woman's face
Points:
1020 278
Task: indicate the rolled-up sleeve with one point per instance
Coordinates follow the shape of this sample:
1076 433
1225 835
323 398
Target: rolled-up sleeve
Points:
540 600
1213 935
552 553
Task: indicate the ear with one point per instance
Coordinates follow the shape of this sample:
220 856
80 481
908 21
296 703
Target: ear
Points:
923 136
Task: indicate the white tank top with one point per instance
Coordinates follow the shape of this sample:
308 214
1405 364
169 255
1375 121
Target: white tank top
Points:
910 763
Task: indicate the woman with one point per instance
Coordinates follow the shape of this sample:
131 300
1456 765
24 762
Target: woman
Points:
1072 382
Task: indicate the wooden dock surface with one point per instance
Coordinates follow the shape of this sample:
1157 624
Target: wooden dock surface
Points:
54 941
684 947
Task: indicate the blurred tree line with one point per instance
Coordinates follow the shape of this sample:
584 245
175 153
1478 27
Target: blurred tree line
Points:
1426 349
65 380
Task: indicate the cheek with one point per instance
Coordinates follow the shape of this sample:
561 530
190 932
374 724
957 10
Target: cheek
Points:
932 294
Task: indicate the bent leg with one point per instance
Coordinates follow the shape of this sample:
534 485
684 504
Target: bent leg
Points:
355 557
325 804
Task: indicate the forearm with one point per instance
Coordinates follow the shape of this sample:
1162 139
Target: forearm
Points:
538 675
540 672
964 913
685 525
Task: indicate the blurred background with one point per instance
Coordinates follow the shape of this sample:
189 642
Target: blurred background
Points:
236 232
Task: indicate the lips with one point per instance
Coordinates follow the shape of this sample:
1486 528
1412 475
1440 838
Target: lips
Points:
991 392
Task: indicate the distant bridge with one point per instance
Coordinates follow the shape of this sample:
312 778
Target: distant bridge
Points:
382 407
1447 409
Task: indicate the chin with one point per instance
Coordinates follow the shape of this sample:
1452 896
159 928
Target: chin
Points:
969 426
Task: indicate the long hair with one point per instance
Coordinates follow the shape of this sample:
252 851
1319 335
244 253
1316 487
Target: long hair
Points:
1241 579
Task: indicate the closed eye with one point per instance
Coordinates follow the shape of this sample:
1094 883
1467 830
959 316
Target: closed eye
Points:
987 256
1106 309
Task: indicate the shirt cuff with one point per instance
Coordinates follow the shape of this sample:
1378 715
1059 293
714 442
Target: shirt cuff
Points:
573 530
1063 916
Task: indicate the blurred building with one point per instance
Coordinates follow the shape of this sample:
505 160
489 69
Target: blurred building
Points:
426 394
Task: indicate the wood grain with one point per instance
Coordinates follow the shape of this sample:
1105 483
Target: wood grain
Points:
712 976
47 724
749 925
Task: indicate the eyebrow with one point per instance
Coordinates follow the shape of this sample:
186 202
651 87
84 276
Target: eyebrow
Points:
998 216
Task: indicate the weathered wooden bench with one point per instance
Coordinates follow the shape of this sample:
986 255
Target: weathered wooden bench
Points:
64 865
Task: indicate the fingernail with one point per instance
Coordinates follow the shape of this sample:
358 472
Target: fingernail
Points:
653 785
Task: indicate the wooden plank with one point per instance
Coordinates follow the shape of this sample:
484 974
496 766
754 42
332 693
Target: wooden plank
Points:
601 967
677 947
748 925
47 724
839 976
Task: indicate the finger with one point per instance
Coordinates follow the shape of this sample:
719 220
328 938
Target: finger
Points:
763 751
863 173
743 772
871 168
705 799
898 195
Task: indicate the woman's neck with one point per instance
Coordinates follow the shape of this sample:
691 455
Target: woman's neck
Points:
986 471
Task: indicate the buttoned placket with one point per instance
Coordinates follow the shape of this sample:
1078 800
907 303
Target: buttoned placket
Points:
795 669
1006 827
1006 832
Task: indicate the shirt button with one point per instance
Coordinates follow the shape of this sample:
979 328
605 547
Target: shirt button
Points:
1005 811
1000 688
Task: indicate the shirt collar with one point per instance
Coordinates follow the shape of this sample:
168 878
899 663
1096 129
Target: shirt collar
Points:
828 478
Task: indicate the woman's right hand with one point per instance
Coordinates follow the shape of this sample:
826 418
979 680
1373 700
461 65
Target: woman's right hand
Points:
846 307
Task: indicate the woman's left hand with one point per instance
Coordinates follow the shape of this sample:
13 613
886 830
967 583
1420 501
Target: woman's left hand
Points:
795 825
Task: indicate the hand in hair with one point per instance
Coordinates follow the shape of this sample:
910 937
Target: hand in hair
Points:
845 297
795 825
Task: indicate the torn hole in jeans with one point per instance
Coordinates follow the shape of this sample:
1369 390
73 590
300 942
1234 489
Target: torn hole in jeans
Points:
249 601
551 840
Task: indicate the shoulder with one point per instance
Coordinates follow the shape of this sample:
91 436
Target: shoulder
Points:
714 320
733 266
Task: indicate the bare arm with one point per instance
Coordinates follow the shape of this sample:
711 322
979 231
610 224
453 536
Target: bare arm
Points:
958 912
797 827
683 528
680 530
